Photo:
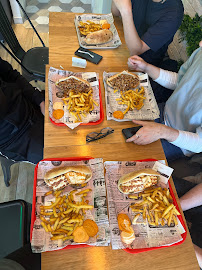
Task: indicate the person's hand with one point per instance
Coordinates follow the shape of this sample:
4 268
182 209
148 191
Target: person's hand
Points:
42 107
137 63
123 5
150 132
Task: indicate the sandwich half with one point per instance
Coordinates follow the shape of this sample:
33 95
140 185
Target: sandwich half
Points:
123 81
59 178
138 181
78 85
99 37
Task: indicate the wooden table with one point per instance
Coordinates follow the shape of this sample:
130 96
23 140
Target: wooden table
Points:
63 142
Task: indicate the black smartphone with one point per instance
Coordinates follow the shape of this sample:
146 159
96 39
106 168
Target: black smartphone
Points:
88 55
129 132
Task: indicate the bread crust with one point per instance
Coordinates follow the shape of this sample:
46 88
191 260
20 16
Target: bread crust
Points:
59 171
99 37
130 176
118 74
74 77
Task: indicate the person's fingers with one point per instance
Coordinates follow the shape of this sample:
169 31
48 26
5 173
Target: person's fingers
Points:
134 138
141 123
129 60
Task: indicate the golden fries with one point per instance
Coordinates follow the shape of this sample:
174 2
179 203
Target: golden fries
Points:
157 207
64 214
134 99
89 27
80 104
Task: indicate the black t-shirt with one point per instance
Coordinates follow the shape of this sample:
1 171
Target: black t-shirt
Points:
156 24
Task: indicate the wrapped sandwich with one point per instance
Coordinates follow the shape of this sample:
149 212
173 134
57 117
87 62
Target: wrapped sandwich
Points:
76 84
59 178
99 37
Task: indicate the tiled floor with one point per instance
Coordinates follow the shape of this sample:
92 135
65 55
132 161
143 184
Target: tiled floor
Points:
38 11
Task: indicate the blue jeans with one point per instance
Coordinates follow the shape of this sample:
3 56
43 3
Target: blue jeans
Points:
171 151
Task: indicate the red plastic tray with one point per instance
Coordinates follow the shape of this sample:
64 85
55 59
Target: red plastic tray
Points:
33 217
184 235
132 251
90 123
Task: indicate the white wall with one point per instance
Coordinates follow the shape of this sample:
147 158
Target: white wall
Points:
101 6
176 50
17 13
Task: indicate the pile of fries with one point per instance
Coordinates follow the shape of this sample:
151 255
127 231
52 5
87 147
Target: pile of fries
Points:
80 104
134 99
89 27
63 216
157 207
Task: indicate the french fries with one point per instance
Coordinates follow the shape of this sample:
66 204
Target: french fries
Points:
133 99
89 27
157 207
64 214
80 104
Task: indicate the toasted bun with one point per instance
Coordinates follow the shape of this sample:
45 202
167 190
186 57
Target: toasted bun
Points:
72 77
128 237
58 171
99 37
120 73
130 176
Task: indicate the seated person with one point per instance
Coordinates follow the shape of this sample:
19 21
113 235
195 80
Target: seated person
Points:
149 26
21 117
191 203
180 124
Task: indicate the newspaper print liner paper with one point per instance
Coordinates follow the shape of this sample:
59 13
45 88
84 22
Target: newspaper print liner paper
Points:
149 111
92 77
40 239
118 202
114 43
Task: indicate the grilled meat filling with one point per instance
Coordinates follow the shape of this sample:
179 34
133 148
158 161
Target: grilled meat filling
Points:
124 82
73 84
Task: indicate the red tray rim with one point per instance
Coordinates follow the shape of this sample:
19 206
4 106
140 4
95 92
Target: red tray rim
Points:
90 123
131 251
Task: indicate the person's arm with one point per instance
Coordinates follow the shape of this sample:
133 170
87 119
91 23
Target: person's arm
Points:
189 141
151 132
42 107
163 77
133 41
8 74
192 198
115 10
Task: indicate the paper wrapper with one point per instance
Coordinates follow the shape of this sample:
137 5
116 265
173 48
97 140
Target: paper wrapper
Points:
146 236
69 120
40 239
149 111
114 43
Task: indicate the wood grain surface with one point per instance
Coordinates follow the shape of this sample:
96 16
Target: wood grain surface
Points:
63 142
